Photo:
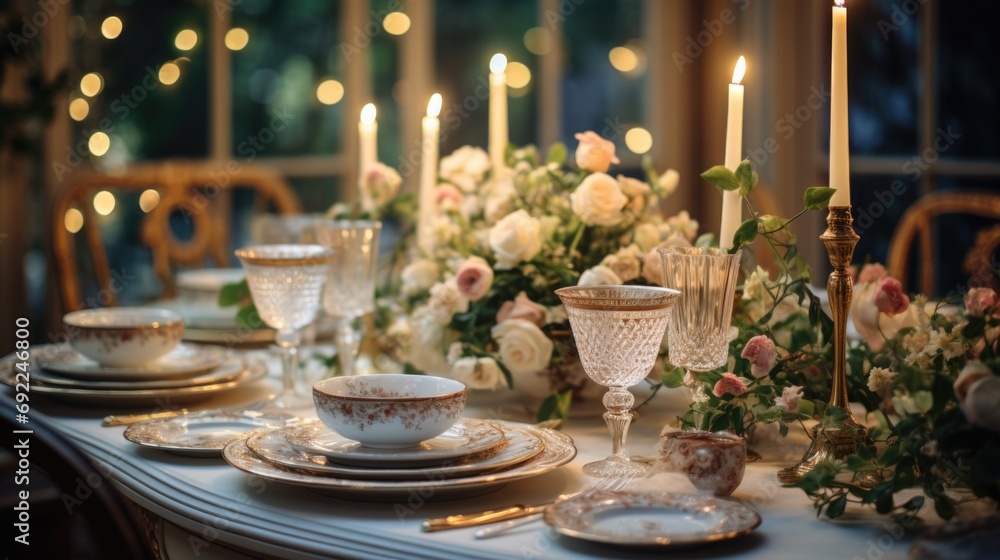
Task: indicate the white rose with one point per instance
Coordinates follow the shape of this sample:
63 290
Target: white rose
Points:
625 264
424 351
646 236
446 300
683 224
465 167
379 184
652 264
516 238
599 276
599 200
668 181
419 275
499 199
478 373
524 348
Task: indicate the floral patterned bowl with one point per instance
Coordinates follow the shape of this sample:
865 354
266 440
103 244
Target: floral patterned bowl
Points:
123 336
389 411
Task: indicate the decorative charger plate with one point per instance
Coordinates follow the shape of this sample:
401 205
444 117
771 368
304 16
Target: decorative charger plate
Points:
186 360
204 435
559 450
630 518
466 437
517 446
228 370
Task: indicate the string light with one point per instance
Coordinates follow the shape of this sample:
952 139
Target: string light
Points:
79 109
91 84
99 143
237 38
169 73
186 39
111 28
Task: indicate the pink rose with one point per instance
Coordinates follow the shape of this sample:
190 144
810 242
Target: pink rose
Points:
889 296
522 308
474 278
872 273
594 153
760 351
979 300
445 194
789 399
729 384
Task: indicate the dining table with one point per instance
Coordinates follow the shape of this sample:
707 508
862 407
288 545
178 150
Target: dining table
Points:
206 509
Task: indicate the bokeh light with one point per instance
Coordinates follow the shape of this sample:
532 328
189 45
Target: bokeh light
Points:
237 38
148 200
104 203
186 39
396 23
538 40
329 92
111 27
79 109
99 143
518 75
169 73
73 220
91 84
638 140
623 59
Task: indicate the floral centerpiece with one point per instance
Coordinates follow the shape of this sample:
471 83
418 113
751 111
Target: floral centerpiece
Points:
481 306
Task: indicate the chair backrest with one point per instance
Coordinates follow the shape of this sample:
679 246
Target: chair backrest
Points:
916 224
200 191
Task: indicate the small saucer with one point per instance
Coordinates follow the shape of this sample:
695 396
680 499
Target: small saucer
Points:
226 371
466 437
184 361
204 435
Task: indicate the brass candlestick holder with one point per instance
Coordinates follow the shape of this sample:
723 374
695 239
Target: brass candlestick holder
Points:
839 442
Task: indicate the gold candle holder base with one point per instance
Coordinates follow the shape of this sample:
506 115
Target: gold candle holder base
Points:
836 443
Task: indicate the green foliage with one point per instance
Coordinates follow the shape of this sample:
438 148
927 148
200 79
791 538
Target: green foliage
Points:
555 406
817 198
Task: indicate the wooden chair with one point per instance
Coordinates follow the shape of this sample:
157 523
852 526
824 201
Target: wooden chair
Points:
201 191
916 223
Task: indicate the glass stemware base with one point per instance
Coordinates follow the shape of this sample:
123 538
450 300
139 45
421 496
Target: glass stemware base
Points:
618 401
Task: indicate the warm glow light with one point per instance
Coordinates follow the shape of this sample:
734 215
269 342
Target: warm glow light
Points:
99 143
104 203
740 71
368 113
840 3
434 105
186 39
518 75
169 73
237 38
148 200
91 84
329 92
73 220
111 28
498 63
79 109
639 140
538 40
396 23
623 59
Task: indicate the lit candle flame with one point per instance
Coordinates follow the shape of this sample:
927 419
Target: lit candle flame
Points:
740 71
434 105
368 113
498 63
840 3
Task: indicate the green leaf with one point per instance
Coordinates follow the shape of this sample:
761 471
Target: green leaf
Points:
233 294
807 407
837 507
555 406
705 240
248 318
651 175
858 463
944 508
746 177
819 477
817 198
745 234
673 378
557 154
720 176
409 369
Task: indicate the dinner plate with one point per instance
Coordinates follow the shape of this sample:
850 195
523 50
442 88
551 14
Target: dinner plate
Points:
657 519
517 446
466 437
228 370
230 336
187 360
559 450
204 435
127 398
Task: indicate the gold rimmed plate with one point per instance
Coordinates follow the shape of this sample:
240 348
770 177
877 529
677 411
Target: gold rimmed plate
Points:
187 360
204 435
225 372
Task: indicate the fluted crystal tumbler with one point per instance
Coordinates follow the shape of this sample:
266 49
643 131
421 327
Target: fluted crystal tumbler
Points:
698 332
350 293
618 330
286 283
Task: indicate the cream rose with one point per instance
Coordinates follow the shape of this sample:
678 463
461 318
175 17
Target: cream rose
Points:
599 276
524 348
465 167
646 237
379 185
652 266
478 373
594 153
447 300
514 239
668 182
521 307
419 275
599 200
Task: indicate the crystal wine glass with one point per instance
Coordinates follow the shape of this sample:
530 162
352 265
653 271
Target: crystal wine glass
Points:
618 330
286 282
698 332
350 293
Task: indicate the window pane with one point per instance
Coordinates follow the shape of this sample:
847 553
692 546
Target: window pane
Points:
969 78
290 49
148 95
879 202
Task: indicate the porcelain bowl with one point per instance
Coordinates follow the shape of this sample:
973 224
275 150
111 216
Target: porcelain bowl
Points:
389 411
123 336
198 292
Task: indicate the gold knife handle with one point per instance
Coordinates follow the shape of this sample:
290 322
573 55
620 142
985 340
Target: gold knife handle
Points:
473 519
114 420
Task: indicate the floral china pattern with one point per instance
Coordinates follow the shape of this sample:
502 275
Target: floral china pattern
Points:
410 414
109 338
713 462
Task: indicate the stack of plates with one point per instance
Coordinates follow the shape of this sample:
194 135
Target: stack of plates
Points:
472 457
189 373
